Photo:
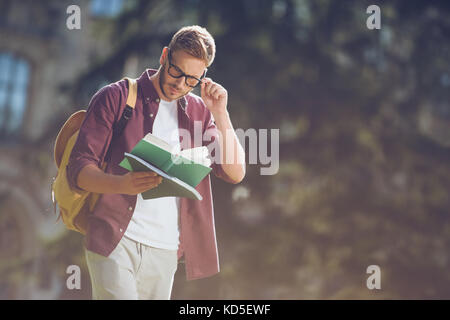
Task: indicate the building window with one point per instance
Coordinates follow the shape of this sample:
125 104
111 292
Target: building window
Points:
106 8
14 78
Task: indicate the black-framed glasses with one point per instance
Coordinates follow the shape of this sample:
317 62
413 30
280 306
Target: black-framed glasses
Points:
176 72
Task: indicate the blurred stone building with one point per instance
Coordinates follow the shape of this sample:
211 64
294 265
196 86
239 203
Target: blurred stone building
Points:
39 56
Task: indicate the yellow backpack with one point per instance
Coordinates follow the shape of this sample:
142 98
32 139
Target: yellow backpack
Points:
74 205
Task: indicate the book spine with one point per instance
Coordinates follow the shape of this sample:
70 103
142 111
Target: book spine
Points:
169 163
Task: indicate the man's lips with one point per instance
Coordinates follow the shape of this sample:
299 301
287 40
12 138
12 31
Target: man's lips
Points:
173 90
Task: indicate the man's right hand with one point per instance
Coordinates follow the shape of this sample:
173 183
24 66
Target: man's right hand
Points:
134 183
93 179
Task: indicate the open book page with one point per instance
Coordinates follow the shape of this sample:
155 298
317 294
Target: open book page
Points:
158 142
198 155
170 186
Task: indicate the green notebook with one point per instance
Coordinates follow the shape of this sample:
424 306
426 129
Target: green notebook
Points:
181 172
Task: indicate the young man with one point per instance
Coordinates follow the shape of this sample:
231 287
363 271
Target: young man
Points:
133 245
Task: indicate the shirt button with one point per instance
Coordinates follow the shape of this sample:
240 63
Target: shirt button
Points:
121 230
147 98
130 208
151 115
157 100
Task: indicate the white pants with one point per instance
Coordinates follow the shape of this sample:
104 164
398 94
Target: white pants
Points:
132 271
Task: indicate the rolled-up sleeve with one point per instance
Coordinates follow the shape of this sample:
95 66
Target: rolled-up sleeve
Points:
95 132
213 133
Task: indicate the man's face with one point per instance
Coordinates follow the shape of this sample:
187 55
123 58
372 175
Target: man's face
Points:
174 88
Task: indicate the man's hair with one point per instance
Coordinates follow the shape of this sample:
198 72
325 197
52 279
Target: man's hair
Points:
196 41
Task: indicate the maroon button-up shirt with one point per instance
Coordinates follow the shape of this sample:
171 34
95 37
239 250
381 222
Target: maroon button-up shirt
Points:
112 212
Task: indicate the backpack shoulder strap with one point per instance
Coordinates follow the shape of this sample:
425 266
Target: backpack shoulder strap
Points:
131 102
132 92
128 112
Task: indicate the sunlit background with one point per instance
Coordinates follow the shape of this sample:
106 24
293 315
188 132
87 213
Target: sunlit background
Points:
364 120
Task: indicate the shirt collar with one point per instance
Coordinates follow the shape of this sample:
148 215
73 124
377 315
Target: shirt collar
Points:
149 91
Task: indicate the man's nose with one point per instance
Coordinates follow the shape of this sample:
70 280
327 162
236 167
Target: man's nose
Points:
180 82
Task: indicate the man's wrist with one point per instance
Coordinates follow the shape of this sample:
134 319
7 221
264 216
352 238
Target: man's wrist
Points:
116 183
221 115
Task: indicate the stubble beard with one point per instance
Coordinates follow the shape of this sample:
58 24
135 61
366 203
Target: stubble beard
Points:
162 81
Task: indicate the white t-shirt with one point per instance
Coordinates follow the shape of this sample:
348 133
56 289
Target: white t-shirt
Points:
155 221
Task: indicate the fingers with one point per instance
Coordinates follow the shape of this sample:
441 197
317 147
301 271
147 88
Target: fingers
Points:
145 185
136 182
144 188
210 88
147 179
214 91
144 179
205 83
143 174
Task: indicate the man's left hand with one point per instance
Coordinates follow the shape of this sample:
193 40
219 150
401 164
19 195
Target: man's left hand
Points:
215 96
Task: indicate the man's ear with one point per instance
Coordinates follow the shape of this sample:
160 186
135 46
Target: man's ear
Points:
164 55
